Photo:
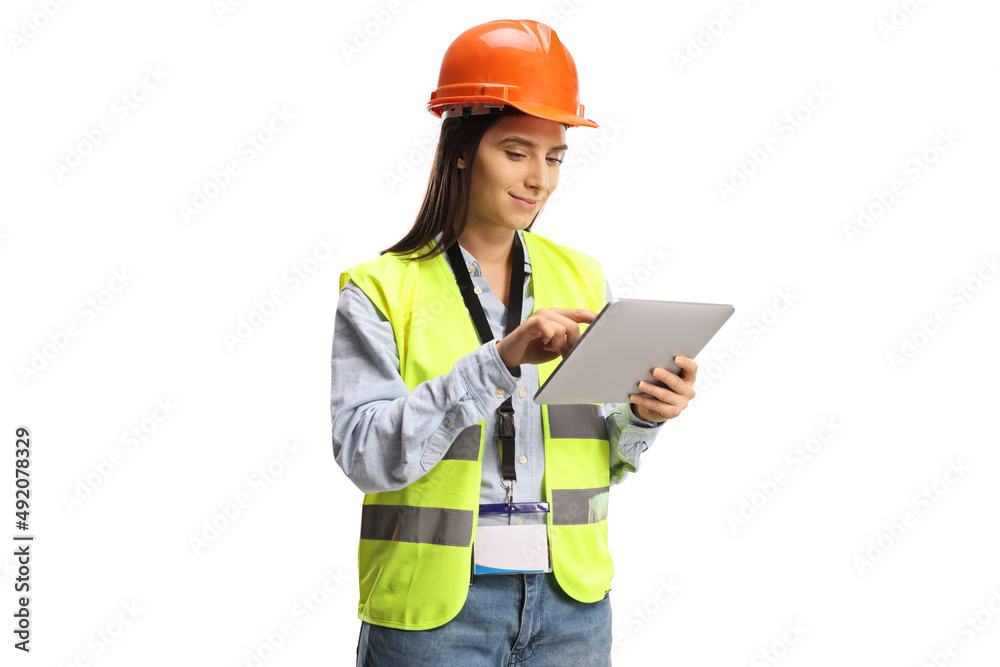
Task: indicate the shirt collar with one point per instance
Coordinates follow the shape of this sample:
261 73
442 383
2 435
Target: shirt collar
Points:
473 265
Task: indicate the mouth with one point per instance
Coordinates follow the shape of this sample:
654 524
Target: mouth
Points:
526 203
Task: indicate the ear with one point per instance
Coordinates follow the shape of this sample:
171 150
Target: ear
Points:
461 163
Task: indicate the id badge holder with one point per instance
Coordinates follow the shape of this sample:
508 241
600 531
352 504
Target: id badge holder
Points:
512 549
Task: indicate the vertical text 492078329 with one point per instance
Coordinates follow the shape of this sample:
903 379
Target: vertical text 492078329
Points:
22 550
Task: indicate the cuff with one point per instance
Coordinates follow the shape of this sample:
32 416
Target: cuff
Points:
483 373
639 422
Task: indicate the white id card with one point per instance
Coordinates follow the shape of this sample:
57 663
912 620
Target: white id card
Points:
511 549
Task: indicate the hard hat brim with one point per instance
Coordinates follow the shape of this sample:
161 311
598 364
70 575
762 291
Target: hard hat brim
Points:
539 110
551 113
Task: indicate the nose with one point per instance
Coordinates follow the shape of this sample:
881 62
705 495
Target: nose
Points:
538 174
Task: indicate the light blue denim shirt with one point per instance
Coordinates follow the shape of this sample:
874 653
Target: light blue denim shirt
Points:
386 436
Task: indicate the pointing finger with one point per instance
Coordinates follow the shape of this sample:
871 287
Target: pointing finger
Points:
581 315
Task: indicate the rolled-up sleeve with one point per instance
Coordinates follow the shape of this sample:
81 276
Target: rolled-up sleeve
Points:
386 436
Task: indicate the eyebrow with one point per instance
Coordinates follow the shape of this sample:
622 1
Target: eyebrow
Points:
531 144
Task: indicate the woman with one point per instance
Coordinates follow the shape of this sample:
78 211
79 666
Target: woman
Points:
440 345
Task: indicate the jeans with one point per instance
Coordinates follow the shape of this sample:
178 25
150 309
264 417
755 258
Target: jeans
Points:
508 619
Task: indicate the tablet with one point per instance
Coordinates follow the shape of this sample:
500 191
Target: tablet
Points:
627 340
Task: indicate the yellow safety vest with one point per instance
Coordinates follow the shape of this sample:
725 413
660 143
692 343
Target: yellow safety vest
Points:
415 551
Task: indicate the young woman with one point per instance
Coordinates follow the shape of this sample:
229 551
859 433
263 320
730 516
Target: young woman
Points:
440 344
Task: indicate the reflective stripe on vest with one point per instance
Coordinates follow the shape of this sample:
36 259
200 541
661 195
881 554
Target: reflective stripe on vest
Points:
581 420
441 525
571 506
415 547
466 445
406 523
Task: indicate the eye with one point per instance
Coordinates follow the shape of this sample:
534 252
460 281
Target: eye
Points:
513 155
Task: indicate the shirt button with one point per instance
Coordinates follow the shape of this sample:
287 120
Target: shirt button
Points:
500 392
522 393
477 289
472 268
450 425
522 459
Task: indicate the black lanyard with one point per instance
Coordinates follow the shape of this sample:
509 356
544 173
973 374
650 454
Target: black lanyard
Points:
505 413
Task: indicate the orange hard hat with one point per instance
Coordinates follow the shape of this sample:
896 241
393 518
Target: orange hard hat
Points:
518 63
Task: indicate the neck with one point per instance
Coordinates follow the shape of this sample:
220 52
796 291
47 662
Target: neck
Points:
490 247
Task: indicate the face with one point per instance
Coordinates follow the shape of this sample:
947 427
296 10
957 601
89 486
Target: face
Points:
516 170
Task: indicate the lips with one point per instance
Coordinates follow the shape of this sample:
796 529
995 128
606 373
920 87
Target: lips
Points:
526 203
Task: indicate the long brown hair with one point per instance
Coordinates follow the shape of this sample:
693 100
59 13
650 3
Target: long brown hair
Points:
447 201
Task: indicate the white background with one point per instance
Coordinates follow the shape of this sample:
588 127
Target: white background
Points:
820 313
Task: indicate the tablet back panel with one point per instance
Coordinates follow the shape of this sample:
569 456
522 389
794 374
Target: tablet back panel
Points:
627 339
